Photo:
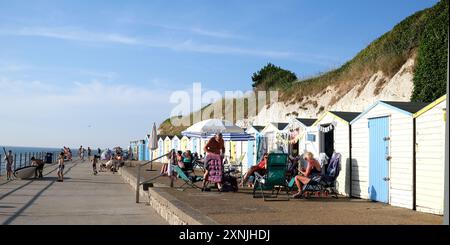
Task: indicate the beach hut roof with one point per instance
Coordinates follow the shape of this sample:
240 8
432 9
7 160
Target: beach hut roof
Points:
346 115
307 121
408 108
411 107
258 128
280 126
430 106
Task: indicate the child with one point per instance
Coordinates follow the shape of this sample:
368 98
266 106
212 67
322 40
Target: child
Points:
9 159
61 167
94 164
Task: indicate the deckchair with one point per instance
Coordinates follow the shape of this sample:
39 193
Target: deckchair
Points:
275 177
188 180
233 166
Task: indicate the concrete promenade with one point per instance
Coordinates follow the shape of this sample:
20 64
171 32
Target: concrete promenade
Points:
83 198
191 206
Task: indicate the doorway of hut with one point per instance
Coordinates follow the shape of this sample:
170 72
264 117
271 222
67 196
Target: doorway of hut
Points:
293 149
327 139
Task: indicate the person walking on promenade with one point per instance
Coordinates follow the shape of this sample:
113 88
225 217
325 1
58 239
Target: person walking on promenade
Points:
61 167
9 159
82 151
39 167
89 152
94 164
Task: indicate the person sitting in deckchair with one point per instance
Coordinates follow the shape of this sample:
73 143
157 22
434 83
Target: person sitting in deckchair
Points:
187 160
260 168
311 173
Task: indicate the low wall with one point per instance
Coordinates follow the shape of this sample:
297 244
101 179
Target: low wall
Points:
167 206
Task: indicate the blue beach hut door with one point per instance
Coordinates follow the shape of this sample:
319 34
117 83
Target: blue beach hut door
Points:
250 153
378 159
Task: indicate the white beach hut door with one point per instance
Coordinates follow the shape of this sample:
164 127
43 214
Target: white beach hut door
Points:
378 159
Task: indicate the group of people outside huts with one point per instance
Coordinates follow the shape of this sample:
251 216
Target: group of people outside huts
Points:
212 164
214 173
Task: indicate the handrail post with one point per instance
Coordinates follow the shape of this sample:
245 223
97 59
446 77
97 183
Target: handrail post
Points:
138 180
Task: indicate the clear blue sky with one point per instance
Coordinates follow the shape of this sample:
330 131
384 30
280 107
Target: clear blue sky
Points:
100 72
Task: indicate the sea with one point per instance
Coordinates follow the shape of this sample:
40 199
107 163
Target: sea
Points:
22 150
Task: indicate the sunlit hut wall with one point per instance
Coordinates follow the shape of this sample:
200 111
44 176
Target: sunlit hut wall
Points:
167 146
185 145
161 145
298 135
241 148
430 157
382 153
176 144
194 145
244 151
332 130
277 137
253 145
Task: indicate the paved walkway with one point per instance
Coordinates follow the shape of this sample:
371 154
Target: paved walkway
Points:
81 199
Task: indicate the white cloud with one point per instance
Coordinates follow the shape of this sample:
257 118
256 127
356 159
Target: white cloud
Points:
37 113
78 34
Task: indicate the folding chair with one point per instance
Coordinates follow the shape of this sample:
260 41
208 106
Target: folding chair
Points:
188 180
275 177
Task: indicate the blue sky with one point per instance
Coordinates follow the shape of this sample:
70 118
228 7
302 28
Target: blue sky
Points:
101 72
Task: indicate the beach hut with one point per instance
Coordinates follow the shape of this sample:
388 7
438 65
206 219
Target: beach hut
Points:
194 145
299 128
134 149
176 144
276 136
185 142
253 145
167 147
382 153
141 150
430 156
161 145
330 133
146 148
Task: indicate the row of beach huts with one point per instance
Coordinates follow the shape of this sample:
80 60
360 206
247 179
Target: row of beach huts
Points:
392 152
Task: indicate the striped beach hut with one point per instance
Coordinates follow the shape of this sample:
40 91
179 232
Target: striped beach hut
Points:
332 132
383 153
430 156
276 136
299 128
